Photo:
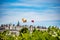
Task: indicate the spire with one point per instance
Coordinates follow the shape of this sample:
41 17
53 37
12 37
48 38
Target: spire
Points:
18 24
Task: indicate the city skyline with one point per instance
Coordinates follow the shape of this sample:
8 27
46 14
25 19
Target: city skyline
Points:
43 12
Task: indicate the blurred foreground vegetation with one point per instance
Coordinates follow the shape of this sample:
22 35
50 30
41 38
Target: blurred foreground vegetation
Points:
53 33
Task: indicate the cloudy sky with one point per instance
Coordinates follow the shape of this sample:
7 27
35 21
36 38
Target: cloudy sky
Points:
43 12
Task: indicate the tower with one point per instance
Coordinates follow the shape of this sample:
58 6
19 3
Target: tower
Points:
18 24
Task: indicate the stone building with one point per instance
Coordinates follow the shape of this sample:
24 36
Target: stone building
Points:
15 29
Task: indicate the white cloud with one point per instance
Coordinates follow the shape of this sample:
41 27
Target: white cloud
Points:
40 5
38 1
14 15
56 7
21 4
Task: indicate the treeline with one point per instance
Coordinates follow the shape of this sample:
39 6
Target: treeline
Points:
53 33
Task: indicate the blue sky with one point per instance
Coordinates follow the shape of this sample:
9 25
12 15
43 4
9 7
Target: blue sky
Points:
43 12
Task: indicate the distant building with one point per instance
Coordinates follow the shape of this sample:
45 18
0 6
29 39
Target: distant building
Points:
15 29
18 24
2 29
